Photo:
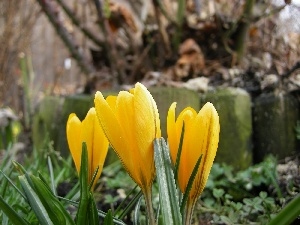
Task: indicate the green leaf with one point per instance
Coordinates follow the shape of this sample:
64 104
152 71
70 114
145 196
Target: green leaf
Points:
289 213
35 203
13 216
11 182
136 212
166 184
81 216
55 209
4 184
19 167
93 178
93 213
51 175
108 220
129 206
179 152
218 193
226 220
115 220
126 200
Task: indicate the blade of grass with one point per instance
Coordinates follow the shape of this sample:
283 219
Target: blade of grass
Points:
35 202
93 178
166 184
12 215
4 184
100 213
108 220
93 213
115 220
289 213
130 206
179 152
81 215
50 167
136 211
19 167
73 194
15 187
125 200
54 207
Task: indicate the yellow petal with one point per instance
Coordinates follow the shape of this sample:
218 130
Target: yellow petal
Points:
209 121
173 139
174 135
87 137
131 122
187 117
112 128
108 121
90 132
97 143
73 131
128 152
100 147
201 137
146 127
112 102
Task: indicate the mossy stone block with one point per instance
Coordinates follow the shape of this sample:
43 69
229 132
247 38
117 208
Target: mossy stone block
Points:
234 109
46 121
274 121
165 96
80 104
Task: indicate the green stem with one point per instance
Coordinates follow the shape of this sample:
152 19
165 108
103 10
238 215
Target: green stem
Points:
241 35
189 211
150 212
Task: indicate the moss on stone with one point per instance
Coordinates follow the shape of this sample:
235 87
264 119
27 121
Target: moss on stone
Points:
46 121
78 104
234 109
165 96
275 118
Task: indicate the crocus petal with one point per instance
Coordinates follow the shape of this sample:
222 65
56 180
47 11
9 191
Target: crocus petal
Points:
112 102
131 122
73 131
210 144
188 157
90 132
146 130
174 129
88 138
99 146
128 152
173 139
201 137
109 121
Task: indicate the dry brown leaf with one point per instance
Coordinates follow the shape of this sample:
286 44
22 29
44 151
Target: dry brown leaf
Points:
121 15
189 46
191 61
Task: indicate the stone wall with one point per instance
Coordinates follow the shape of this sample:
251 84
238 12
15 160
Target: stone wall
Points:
249 130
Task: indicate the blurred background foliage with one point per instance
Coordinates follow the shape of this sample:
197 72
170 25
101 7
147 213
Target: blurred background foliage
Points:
63 47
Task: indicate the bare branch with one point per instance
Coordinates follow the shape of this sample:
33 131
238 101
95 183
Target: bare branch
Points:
65 36
77 23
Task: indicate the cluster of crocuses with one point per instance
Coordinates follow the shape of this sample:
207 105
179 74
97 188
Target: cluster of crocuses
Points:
130 123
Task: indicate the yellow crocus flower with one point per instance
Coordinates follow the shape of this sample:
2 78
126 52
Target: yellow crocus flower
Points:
131 123
89 131
201 137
